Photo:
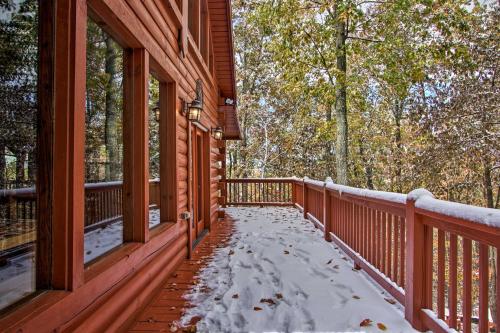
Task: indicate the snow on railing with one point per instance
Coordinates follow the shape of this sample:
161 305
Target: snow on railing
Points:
407 244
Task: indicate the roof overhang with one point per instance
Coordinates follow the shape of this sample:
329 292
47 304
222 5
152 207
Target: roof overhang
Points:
222 39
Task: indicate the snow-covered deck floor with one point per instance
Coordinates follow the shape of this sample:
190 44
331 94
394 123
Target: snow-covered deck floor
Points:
278 274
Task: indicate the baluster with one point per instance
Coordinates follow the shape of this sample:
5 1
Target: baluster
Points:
383 220
441 274
396 252
467 285
452 285
402 239
388 272
483 288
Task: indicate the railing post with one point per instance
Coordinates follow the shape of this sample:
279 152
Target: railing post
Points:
418 252
304 197
294 192
327 213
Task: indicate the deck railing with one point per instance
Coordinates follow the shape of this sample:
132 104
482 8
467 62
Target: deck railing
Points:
431 255
103 203
259 192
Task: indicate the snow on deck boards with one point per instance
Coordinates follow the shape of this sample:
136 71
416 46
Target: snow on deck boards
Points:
276 273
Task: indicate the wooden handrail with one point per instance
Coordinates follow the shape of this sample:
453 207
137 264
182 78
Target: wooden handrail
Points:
102 202
391 236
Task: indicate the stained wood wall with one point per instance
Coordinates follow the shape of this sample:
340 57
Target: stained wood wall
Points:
106 295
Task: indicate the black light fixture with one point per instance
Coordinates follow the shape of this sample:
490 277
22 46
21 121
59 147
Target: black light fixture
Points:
217 133
156 111
194 109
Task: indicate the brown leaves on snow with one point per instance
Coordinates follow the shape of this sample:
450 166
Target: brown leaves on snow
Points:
381 327
365 322
390 300
269 301
368 322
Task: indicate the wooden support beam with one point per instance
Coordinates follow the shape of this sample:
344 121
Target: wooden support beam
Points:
169 102
135 143
69 133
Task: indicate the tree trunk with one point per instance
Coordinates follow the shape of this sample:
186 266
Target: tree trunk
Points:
3 166
111 130
341 101
368 166
20 159
328 151
398 113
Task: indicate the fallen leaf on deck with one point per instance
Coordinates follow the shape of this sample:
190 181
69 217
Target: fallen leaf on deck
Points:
356 297
329 262
249 251
390 300
365 322
236 296
256 308
336 266
279 296
269 301
381 326
231 252
286 252
190 329
216 298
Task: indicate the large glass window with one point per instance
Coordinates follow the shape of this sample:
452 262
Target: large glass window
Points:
154 152
103 144
18 137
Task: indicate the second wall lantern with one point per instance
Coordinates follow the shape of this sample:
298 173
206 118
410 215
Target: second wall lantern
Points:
194 109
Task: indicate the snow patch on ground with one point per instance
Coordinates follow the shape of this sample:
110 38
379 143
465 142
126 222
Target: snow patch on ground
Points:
280 263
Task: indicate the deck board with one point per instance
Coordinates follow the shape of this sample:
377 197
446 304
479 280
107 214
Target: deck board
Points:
168 305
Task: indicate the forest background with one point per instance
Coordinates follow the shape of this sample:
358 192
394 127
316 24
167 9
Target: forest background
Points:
385 95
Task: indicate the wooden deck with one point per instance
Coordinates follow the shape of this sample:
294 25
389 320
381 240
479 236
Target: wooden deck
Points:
168 306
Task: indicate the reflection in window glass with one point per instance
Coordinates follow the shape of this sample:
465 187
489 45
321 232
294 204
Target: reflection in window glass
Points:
154 152
18 168
103 144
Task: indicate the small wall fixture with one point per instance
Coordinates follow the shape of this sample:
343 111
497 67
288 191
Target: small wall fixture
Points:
217 133
194 109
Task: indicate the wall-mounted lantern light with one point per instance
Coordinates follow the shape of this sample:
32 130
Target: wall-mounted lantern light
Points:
217 133
156 111
194 109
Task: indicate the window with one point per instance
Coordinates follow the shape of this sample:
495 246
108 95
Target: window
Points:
194 20
154 152
18 148
103 144
204 32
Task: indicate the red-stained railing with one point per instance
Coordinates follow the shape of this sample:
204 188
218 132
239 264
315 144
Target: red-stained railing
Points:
103 203
259 192
433 256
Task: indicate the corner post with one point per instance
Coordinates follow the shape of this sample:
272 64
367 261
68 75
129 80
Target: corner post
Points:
327 213
304 197
418 253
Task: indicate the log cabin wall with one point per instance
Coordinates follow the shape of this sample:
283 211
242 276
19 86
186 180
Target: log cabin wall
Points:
159 38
